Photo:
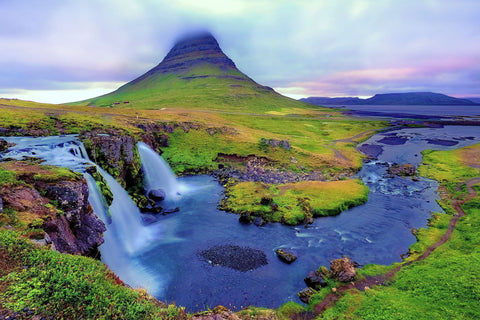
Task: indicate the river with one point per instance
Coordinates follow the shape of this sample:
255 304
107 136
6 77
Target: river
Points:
170 267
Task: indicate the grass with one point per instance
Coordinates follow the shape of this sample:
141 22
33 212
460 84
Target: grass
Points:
294 203
72 287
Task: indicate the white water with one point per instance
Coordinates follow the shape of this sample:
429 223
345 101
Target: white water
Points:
157 173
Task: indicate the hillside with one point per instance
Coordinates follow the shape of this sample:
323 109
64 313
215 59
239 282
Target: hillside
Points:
409 98
195 74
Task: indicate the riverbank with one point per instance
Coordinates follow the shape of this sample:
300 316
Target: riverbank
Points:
437 279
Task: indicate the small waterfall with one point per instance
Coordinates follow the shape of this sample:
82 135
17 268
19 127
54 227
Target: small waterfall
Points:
157 173
126 219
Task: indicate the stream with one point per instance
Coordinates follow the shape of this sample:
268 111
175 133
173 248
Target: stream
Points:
162 253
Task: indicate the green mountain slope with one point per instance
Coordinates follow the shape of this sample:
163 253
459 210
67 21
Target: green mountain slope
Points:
196 74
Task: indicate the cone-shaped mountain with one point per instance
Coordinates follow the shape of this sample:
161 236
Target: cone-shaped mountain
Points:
195 74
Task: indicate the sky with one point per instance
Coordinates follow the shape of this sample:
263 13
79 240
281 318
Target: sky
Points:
67 50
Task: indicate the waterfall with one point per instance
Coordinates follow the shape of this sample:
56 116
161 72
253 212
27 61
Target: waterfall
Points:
126 219
126 237
157 173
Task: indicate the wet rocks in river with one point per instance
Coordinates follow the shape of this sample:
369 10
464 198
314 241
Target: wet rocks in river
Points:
306 294
403 170
285 256
343 269
156 195
234 257
315 280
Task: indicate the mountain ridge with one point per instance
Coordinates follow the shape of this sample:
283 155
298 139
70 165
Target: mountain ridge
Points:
407 98
195 74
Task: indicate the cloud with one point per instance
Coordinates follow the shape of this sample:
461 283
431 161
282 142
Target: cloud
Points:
323 45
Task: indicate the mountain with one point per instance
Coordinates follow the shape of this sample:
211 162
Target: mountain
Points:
409 98
333 101
474 99
195 74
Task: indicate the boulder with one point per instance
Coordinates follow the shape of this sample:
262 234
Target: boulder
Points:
258 221
315 280
403 170
285 256
157 194
245 218
306 294
343 269
3 145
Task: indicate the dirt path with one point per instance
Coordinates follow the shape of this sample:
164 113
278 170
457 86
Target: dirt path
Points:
383 279
337 153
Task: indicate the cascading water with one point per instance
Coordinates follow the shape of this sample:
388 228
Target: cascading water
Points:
157 173
125 236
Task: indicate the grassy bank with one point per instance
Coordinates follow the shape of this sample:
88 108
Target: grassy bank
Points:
294 203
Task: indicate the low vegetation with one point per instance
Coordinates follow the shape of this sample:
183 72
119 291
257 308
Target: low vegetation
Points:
66 287
294 203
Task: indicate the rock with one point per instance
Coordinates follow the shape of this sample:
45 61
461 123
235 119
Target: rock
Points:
3 145
285 256
149 208
91 169
306 294
276 143
170 210
234 257
343 269
258 221
315 280
403 170
245 218
157 194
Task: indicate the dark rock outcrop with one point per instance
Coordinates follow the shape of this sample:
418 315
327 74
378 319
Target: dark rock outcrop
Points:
285 256
343 269
70 224
114 151
315 280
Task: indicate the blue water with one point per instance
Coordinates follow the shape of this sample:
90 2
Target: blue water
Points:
376 232
436 111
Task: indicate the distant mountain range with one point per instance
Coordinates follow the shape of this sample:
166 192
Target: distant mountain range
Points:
409 98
